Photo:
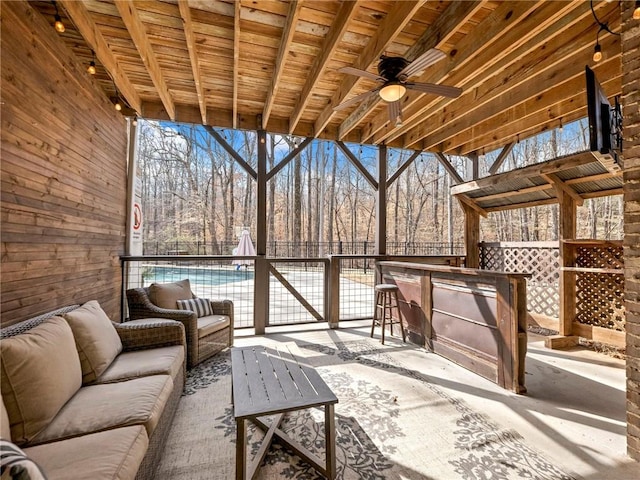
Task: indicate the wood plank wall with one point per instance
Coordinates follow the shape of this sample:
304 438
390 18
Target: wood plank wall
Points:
63 176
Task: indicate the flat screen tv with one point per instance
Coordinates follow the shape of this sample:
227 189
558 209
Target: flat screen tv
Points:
605 122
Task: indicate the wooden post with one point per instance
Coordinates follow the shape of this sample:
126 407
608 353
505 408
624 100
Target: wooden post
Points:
334 292
261 289
471 236
381 203
567 210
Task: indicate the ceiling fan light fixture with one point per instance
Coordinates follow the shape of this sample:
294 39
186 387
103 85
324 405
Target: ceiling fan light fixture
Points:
392 92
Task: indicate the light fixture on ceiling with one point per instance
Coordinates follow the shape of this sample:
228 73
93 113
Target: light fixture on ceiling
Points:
59 26
92 65
561 127
636 11
392 92
117 105
597 50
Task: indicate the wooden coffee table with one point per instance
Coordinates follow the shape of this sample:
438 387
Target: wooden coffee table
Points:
273 381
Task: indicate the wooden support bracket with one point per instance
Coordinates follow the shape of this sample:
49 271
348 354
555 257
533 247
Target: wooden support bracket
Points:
560 186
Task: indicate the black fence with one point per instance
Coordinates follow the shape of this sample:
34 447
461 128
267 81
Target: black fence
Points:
305 249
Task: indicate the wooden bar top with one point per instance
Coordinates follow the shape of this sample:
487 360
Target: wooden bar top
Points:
447 269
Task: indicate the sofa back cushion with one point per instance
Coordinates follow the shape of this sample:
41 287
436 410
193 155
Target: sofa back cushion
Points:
97 340
166 295
40 371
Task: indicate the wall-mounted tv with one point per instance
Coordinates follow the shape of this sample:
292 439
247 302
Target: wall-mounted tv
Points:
605 123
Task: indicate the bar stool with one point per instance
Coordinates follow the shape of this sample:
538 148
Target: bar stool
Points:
386 301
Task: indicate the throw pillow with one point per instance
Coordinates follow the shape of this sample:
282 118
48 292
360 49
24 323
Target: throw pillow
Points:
97 341
40 372
166 295
201 306
15 465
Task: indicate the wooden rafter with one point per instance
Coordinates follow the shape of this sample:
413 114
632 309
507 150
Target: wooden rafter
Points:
473 205
138 32
560 186
470 67
338 28
236 59
551 166
285 43
555 64
290 156
390 27
456 15
185 13
502 156
81 18
532 115
444 161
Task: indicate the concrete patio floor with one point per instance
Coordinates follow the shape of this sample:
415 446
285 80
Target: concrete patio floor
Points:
574 411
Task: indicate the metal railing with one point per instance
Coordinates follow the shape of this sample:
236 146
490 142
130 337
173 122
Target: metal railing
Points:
295 290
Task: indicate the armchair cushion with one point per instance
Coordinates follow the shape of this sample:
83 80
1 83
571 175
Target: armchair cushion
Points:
40 373
201 306
212 324
97 341
166 295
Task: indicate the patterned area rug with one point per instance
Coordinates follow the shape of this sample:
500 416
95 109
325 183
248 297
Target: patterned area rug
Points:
391 423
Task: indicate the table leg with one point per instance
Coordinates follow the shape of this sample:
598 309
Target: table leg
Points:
330 440
241 449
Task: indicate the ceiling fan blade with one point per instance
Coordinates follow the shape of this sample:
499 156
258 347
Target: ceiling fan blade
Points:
361 73
442 90
395 113
356 99
429 57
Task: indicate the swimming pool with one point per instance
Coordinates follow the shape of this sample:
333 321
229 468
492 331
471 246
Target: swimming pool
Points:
203 276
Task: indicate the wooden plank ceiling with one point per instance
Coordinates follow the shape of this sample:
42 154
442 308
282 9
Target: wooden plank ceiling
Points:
253 63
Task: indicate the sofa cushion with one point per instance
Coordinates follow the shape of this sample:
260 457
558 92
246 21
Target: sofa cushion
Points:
201 306
166 295
212 324
102 407
97 341
110 455
142 363
15 464
40 373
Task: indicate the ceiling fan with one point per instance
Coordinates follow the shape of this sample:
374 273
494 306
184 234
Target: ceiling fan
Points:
393 74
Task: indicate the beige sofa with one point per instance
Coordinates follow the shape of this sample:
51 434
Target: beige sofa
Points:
86 398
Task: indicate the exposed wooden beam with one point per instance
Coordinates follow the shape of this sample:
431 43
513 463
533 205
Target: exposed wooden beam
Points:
512 193
456 15
502 156
562 59
561 163
593 178
231 151
346 13
603 193
532 116
131 18
471 204
403 167
391 26
285 43
356 163
290 156
560 186
444 161
515 206
236 60
81 18
502 44
185 13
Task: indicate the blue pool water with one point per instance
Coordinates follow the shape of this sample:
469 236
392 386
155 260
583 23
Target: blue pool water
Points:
206 276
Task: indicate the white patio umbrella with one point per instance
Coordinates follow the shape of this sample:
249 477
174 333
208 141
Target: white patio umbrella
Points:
245 248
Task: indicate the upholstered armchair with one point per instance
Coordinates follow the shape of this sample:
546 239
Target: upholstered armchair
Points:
207 332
